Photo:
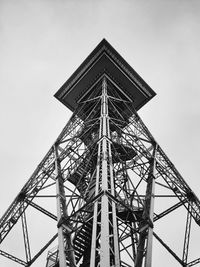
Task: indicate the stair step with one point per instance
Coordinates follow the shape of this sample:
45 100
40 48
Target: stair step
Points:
82 241
79 246
84 236
78 251
87 234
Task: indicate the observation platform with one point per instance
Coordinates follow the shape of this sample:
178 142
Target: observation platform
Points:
104 60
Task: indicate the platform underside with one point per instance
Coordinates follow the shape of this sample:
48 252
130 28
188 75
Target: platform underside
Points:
104 60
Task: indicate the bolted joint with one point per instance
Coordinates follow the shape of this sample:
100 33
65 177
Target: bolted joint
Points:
147 223
150 223
190 195
61 222
21 196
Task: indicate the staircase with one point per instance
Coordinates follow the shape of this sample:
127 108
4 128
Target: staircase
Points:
78 177
82 244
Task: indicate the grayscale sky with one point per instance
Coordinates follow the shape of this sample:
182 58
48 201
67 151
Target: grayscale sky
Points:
43 41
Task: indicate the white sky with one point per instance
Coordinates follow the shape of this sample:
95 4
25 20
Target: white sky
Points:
43 41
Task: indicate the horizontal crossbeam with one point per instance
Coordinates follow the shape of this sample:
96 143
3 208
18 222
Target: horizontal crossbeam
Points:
13 258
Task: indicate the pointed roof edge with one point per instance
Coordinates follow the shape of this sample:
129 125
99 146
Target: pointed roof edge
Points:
103 47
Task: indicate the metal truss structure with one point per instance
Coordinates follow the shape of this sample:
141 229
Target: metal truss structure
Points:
107 170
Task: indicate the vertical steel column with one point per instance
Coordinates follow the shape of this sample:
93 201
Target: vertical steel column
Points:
60 210
96 204
26 238
107 179
150 210
146 231
105 244
187 234
112 187
105 183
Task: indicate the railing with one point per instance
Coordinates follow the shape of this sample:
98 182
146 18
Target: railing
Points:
52 257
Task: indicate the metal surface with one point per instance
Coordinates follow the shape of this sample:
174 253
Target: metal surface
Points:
114 187
61 210
104 59
187 235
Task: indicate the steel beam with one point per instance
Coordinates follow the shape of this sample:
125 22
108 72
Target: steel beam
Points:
187 235
26 237
13 258
168 249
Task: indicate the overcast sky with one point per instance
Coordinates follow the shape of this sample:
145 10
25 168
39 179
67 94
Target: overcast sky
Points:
43 41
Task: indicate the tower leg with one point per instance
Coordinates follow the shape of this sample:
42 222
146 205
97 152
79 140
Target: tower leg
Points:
146 234
64 240
187 235
150 205
60 206
106 222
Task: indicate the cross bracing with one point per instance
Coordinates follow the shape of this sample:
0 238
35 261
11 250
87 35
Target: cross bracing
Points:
113 186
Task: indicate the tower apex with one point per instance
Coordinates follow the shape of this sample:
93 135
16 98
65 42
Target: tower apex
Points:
104 60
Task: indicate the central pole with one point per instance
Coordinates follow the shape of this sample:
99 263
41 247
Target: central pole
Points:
105 247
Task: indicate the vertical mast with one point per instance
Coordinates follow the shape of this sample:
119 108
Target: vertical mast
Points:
107 235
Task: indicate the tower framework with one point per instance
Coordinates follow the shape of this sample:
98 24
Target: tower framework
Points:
106 170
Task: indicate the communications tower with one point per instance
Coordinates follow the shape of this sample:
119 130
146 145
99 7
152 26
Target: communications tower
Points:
106 170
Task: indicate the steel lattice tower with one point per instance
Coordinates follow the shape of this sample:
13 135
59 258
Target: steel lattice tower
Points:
107 170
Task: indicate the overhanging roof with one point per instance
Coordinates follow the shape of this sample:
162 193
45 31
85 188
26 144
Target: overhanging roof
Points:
104 59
